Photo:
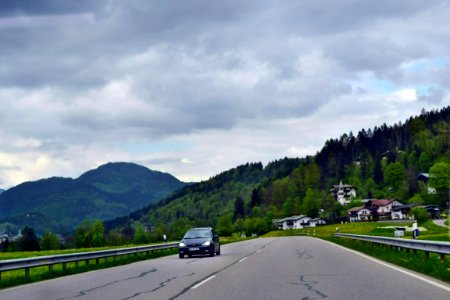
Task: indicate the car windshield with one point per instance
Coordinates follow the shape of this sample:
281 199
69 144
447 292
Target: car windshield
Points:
197 233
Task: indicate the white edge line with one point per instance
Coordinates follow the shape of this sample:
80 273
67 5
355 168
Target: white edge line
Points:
203 282
393 267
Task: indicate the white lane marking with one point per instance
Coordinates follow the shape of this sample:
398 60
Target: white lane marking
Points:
242 259
258 251
203 282
395 268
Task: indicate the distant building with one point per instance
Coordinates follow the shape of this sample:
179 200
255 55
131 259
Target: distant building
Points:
375 209
293 222
425 177
382 207
317 222
343 193
403 212
433 211
361 213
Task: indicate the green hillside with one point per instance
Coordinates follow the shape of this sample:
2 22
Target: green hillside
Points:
382 162
61 204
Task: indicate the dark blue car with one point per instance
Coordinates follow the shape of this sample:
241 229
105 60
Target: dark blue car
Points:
199 241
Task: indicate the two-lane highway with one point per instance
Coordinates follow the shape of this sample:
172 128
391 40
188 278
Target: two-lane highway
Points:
265 268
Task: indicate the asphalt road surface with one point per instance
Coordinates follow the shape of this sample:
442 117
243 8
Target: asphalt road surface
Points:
265 268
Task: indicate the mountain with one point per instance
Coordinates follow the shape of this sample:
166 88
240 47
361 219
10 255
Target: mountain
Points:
1 191
60 204
382 162
204 202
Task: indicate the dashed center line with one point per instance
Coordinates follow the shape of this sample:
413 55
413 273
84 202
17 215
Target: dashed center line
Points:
242 259
203 282
258 251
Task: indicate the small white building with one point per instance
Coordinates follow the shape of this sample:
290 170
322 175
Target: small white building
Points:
293 222
361 213
403 212
317 222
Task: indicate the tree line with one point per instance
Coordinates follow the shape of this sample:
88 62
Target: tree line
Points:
381 163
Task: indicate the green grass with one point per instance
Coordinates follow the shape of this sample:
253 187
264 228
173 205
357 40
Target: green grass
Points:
433 266
16 255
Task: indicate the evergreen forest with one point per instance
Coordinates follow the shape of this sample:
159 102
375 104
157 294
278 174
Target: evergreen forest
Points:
381 163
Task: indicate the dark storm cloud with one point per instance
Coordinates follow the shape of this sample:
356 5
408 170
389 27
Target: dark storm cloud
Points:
10 8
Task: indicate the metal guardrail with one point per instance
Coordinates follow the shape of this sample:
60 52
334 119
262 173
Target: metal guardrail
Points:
442 248
39 261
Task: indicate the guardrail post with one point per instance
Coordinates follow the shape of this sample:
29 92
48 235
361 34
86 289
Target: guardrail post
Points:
50 267
427 254
27 272
442 257
64 266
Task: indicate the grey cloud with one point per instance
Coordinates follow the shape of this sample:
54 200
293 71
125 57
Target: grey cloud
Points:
359 53
433 95
199 44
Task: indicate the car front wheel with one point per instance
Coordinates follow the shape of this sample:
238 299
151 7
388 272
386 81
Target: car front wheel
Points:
180 255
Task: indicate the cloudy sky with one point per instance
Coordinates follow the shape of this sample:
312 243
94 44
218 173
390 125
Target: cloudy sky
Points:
197 87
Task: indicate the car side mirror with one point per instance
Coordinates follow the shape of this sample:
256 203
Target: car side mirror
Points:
216 237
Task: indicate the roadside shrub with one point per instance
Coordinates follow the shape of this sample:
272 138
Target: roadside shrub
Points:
420 214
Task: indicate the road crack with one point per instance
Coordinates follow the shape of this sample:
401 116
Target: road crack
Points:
85 292
311 286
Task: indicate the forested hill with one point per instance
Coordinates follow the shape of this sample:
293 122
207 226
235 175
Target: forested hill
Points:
61 204
382 162
204 202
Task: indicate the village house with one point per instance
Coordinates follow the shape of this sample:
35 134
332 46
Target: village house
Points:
361 213
382 207
343 193
373 209
293 222
317 222
403 212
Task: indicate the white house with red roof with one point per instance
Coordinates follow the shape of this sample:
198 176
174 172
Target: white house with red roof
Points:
383 206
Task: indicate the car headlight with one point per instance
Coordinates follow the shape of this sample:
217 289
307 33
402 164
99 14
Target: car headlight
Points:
182 244
206 243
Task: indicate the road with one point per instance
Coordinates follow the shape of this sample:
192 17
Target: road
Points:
265 268
440 222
